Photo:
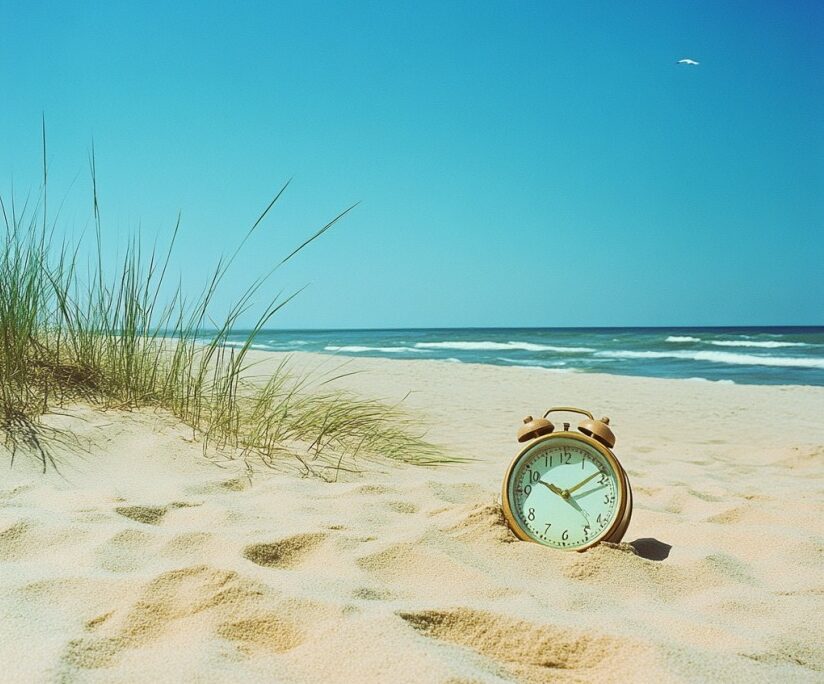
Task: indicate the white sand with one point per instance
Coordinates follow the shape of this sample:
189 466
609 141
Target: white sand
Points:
144 561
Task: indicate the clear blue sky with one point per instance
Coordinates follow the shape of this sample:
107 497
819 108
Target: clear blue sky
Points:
518 163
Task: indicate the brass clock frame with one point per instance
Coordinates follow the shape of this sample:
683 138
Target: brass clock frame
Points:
623 512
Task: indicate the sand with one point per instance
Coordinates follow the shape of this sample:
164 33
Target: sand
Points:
147 560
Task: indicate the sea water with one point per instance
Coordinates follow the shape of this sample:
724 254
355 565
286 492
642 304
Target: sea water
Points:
787 355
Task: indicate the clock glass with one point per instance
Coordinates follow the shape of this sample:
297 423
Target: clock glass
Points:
564 492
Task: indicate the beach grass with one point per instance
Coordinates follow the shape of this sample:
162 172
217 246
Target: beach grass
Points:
124 338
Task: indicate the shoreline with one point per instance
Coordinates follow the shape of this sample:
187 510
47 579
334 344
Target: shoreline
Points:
628 400
346 358
754 356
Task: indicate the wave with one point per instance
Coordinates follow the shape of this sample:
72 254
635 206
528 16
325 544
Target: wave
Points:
239 345
532 362
717 357
716 382
764 344
358 349
502 346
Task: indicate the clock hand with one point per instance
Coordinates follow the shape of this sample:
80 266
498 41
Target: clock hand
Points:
591 491
553 488
583 482
572 502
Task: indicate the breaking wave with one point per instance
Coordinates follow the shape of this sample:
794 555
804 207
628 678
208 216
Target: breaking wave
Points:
761 344
358 349
764 344
503 346
717 357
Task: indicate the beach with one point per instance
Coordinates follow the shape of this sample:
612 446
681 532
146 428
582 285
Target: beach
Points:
148 558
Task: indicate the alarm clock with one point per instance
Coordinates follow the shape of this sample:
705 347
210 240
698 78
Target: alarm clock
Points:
566 489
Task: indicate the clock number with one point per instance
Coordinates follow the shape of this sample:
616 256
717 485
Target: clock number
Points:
603 479
528 490
565 535
586 531
599 520
535 476
531 515
606 498
566 456
548 525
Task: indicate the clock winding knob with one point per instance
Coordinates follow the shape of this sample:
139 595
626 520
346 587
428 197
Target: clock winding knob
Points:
598 429
534 427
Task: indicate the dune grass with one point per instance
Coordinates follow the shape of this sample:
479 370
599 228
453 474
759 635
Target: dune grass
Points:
118 339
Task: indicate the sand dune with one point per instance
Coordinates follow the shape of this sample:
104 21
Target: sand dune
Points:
148 560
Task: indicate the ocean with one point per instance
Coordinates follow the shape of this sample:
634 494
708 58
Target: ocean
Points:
762 356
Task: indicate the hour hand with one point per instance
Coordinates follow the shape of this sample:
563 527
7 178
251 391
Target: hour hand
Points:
552 488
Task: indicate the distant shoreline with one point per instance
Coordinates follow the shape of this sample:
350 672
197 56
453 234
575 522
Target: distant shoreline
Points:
749 356
320 365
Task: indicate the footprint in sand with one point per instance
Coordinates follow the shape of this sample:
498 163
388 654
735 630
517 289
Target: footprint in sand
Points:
402 507
125 551
183 545
14 540
150 515
227 604
370 594
531 652
285 553
267 632
28 538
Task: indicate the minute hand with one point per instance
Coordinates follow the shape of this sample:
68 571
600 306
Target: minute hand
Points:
583 482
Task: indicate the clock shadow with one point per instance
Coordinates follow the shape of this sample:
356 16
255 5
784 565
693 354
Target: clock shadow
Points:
651 549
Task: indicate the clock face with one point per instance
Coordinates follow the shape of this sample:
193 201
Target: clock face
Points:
564 493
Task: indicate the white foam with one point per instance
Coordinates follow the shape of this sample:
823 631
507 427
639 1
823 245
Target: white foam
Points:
502 346
239 345
531 362
527 366
682 338
764 344
717 357
280 344
717 382
358 349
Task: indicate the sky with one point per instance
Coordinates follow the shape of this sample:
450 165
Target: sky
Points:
515 163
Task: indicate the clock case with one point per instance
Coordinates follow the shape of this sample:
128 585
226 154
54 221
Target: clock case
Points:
595 433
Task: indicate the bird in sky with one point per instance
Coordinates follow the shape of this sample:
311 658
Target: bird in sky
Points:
686 60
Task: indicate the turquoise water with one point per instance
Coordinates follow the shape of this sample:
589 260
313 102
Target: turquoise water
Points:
791 355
